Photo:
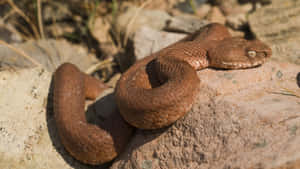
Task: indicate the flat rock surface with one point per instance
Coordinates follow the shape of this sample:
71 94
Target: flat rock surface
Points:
185 23
27 129
147 41
48 53
242 119
278 24
25 141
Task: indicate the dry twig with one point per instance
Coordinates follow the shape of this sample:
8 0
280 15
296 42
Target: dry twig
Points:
291 92
26 18
25 34
8 14
100 65
40 19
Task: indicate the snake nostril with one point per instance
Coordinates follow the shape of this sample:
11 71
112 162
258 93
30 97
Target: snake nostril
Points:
267 54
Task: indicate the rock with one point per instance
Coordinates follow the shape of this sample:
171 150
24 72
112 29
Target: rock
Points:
237 33
215 15
48 53
100 31
60 29
281 30
247 117
263 2
147 41
185 23
244 124
131 20
246 8
290 165
27 129
145 36
25 141
237 21
189 6
57 11
247 122
203 10
234 8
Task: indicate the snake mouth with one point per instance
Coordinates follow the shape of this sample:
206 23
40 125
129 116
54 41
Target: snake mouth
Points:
239 65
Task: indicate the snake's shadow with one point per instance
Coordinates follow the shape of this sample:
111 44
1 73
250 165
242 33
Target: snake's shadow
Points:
298 79
96 113
106 106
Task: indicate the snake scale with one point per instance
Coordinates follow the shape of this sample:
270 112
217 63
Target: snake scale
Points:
153 93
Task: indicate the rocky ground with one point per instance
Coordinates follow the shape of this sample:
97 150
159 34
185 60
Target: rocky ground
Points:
243 119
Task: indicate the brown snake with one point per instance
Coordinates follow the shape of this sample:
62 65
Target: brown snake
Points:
153 93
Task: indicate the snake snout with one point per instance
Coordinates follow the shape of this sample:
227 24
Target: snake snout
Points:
264 50
268 53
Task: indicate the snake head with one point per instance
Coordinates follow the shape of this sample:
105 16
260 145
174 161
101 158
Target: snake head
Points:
238 53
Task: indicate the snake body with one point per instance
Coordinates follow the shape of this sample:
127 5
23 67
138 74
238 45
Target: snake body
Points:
153 93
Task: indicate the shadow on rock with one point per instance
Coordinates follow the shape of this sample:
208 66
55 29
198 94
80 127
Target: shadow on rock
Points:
103 113
53 134
298 79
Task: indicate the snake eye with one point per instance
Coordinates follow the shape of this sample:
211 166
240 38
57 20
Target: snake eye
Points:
251 53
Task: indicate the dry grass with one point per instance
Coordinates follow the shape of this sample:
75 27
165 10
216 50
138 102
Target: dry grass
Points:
25 17
130 23
15 9
101 65
22 53
40 19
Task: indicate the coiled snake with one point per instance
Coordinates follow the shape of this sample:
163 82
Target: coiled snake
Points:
153 93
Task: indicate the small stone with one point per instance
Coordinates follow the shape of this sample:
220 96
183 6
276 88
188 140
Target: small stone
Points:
256 1
100 31
60 29
236 33
236 21
134 18
215 15
189 6
235 8
185 23
203 10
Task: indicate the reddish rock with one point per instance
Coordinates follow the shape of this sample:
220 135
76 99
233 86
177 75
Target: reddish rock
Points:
242 119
